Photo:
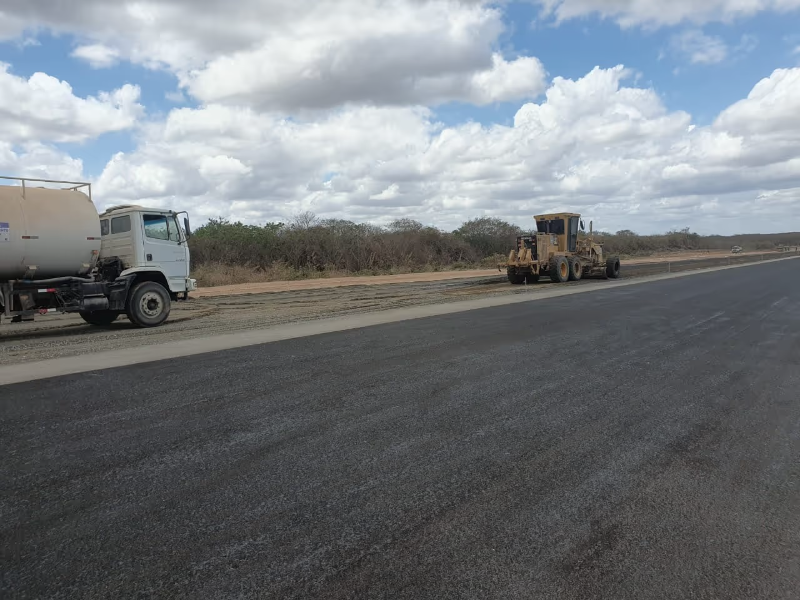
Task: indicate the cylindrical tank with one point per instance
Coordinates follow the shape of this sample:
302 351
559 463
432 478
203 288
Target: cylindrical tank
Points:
46 233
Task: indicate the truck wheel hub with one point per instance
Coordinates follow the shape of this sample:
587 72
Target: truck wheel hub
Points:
150 304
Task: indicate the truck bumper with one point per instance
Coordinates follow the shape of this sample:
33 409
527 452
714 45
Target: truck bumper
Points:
191 285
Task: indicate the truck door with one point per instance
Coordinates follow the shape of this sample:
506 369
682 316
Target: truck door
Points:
165 247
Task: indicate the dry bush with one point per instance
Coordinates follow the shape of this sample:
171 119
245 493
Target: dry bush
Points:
627 243
226 253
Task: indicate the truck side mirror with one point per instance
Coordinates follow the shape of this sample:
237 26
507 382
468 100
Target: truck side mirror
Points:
186 227
583 227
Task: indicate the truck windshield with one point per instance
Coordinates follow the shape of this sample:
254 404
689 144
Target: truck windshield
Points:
161 227
155 227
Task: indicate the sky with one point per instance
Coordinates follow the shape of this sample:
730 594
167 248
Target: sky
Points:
640 114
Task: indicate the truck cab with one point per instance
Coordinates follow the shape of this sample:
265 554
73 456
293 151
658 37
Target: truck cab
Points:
148 241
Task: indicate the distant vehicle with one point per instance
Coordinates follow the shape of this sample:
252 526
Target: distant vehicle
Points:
57 255
556 251
736 250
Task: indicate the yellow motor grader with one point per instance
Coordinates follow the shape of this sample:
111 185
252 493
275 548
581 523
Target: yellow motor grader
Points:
555 251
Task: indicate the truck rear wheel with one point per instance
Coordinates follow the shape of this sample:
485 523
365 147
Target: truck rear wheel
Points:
575 269
148 304
558 269
100 318
613 267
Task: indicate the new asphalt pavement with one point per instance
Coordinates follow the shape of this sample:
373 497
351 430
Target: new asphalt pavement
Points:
634 442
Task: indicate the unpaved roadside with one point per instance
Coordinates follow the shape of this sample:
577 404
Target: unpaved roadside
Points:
269 287
67 335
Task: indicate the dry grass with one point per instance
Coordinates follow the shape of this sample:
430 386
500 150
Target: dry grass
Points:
216 274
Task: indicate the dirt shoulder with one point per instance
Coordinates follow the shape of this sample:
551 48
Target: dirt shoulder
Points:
269 287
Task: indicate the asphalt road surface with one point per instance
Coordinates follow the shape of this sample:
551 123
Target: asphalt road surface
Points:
638 442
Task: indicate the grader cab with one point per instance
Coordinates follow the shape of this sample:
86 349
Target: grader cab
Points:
556 250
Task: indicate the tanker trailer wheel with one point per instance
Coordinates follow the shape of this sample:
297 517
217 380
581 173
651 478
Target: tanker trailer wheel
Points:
575 269
612 267
558 269
515 278
100 318
148 304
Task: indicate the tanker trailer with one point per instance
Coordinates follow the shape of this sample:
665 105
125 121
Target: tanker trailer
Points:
57 255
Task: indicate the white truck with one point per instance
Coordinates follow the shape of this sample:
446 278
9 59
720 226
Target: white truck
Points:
57 255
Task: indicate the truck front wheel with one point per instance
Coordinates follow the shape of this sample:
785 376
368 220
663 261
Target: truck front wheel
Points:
100 318
148 304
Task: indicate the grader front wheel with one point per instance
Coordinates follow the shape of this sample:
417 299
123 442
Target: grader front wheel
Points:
558 269
516 278
531 278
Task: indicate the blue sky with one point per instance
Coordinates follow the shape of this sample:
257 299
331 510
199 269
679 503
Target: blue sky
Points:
735 53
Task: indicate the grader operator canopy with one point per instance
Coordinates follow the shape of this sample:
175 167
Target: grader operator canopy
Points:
565 226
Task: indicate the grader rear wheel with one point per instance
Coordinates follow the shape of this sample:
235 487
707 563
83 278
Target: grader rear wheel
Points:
575 269
613 267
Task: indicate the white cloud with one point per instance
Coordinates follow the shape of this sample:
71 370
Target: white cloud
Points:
397 54
613 152
699 48
221 166
254 80
520 79
98 56
771 108
667 12
38 160
292 54
42 108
